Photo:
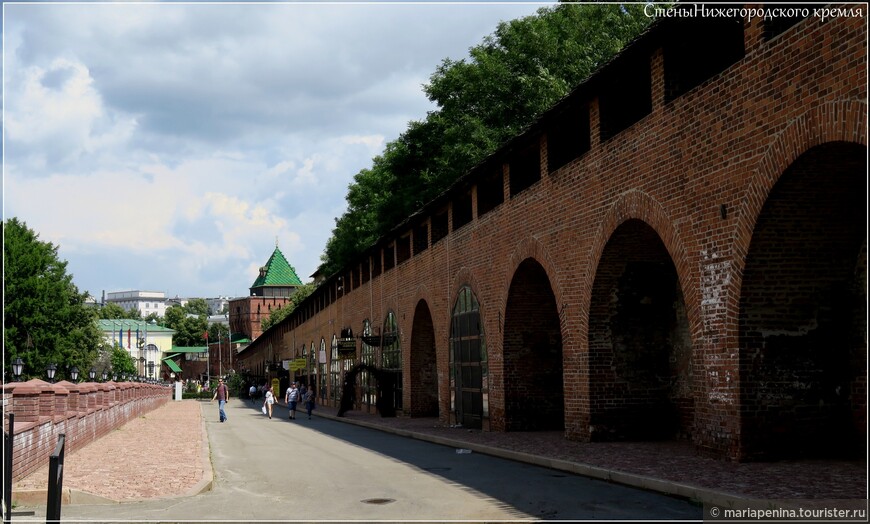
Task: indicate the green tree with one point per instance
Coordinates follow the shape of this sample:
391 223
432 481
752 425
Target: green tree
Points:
279 314
190 332
218 331
197 306
45 317
122 361
173 316
509 79
112 311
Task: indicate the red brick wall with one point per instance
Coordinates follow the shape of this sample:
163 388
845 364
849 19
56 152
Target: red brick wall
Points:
43 411
247 314
694 175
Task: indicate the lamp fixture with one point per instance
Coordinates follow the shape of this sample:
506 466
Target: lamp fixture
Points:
17 368
50 371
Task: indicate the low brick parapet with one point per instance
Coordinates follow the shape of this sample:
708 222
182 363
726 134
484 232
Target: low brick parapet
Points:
84 412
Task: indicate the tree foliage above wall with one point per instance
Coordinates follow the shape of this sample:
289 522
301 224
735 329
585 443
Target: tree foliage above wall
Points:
515 74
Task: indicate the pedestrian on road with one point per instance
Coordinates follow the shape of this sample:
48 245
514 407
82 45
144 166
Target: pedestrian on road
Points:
308 399
270 399
291 398
252 391
221 394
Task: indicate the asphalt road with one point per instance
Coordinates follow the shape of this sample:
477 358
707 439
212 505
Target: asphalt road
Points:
326 470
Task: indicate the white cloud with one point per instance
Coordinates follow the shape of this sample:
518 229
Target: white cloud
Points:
167 146
59 106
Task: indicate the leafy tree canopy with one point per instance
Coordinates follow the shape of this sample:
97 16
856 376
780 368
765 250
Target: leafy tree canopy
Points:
114 311
189 330
122 361
516 73
46 319
217 332
197 306
279 314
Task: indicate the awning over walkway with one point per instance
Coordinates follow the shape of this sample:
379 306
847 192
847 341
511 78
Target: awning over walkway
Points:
172 365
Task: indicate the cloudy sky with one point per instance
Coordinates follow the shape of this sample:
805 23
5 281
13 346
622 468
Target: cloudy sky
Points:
167 147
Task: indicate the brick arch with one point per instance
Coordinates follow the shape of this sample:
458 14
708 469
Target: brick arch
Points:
421 362
452 380
820 352
533 339
638 205
464 277
532 248
841 121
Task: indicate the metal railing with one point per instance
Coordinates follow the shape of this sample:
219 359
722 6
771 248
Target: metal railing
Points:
55 481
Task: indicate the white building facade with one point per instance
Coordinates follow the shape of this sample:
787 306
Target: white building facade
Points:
147 302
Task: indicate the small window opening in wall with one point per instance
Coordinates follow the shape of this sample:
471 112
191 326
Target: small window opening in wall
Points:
421 238
688 63
461 210
355 278
365 271
403 249
376 265
389 258
439 226
525 168
568 137
490 192
625 97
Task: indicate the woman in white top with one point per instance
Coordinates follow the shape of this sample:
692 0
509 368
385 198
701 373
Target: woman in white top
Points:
270 399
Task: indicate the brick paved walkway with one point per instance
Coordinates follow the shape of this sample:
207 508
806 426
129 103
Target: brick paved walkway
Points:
165 453
161 454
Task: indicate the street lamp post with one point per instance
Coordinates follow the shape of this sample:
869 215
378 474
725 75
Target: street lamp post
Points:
92 373
74 374
17 368
50 371
105 374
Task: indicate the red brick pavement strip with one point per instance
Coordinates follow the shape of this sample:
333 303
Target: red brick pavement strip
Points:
165 454
161 454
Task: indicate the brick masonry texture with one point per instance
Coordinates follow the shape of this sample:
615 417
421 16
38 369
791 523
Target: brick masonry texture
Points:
698 275
82 412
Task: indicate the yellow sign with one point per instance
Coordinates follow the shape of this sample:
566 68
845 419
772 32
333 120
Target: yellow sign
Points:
276 387
297 364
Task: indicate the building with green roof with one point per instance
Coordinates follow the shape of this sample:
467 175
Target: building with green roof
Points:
273 287
277 278
146 342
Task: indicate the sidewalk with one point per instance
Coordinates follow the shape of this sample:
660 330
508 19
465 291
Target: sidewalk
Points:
165 454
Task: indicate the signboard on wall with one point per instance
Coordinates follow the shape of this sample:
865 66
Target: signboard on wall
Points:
347 345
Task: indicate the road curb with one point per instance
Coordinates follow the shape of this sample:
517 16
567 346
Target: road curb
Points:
697 494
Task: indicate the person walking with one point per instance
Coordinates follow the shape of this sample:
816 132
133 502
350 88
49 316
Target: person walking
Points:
221 393
292 398
308 399
252 392
270 399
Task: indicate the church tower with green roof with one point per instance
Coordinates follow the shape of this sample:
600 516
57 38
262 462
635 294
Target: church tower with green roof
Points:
277 278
